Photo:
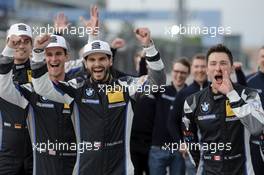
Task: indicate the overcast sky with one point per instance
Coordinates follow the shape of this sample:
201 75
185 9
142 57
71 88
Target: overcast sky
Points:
245 17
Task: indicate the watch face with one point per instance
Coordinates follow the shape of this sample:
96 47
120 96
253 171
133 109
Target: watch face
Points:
38 50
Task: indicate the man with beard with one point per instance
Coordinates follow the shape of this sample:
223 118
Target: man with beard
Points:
220 113
101 103
15 145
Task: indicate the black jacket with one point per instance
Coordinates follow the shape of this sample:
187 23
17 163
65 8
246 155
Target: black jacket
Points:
176 109
218 120
163 100
14 136
49 123
256 81
102 118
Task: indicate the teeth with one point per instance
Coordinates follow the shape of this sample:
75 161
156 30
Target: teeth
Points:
54 65
98 70
218 77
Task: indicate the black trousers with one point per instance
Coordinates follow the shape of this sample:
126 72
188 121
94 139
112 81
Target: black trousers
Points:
257 161
140 162
15 166
54 165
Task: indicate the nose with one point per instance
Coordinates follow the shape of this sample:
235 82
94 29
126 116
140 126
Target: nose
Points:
53 57
97 63
21 45
218 67
179 76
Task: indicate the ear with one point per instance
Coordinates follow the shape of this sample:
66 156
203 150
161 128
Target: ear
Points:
232 69
111 61
206 69
67 57
85 63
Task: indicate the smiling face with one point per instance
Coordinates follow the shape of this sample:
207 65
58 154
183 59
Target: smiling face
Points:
98 65
56 58
218 62
179 74
198 70
22 53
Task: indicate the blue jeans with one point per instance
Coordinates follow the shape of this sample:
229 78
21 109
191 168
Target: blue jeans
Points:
160 159
190 168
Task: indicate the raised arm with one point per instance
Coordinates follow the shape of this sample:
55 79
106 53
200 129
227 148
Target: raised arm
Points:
40 77
8 90
246 105
92 24
156 75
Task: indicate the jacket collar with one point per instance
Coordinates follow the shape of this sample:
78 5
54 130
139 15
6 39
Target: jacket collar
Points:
23 65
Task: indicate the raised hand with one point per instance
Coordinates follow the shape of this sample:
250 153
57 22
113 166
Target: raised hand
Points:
93 22
14 41
226 85
60 22
118 43
237 65
42 41
143 36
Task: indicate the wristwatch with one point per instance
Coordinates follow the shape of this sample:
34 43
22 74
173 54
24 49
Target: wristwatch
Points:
37 50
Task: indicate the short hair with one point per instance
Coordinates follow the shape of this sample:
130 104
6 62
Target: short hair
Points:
262 47
199 56
220 48
184 61
65 51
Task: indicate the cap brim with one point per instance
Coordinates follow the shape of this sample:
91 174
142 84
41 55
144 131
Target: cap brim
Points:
97 51
56 45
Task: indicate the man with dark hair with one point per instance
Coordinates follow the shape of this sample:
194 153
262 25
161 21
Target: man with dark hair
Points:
257 142
101 104
222 49
222 114
159 158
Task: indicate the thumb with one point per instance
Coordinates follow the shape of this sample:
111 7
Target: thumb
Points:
225 75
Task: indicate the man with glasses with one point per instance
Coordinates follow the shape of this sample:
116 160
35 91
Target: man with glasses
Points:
159 158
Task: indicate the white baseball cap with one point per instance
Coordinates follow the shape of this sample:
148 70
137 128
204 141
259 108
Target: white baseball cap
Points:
19 29
57 41
96 46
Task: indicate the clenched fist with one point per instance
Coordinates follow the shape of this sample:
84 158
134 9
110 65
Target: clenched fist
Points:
143 35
